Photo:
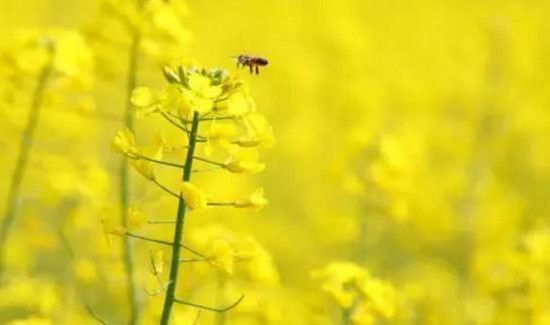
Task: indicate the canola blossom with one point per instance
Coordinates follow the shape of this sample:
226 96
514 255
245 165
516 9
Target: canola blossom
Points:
192 97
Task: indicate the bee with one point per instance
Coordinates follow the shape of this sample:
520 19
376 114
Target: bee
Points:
252 62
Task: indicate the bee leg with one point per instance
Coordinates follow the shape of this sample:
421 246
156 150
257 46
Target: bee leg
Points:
250 66
257 69
237 65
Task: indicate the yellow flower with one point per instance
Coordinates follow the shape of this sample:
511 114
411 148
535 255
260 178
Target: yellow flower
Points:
72 58
219 136
381 296
194 198
248 167
362 315
142 97
221 131
239 104
136 219
145 168
258 262
145 102
248 142
259 132
173 97
202 86
124 142
155 151
118 230
171 74
340 279
255 200
243 160
350 284
222 256
201 93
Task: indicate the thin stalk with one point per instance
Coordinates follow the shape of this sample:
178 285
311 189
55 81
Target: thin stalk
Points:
219 164
222 204
163 242
160 222
193 260
168 117
156 161
203 170
220 295
174 123
128 247
178 231
96 316
166 189
22 159
216 310
218 118
346 315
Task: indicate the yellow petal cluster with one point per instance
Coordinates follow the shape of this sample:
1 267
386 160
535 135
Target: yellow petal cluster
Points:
355 289
222 256
194 198
125 142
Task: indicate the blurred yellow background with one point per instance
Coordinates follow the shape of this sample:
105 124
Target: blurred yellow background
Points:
409 182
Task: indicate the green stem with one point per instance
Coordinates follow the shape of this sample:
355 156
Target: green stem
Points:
220 295
219 164
156 161
163 242
22 159
127 247
178 231
222 204
166 189
346 314
159 222
216 310
174 123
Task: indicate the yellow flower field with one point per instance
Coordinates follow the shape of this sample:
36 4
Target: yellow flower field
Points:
274 162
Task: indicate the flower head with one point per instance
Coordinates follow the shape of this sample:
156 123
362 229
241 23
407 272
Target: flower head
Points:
353 286
222 256
256 200
194 198
125 142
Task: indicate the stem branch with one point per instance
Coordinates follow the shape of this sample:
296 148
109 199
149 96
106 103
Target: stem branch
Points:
160 162
166 189
22 159
124 194
217 310
164 242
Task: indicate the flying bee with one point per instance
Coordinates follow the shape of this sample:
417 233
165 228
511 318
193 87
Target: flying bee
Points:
252 62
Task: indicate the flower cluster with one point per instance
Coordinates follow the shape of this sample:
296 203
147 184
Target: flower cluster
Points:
234 130
362 297
213 111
